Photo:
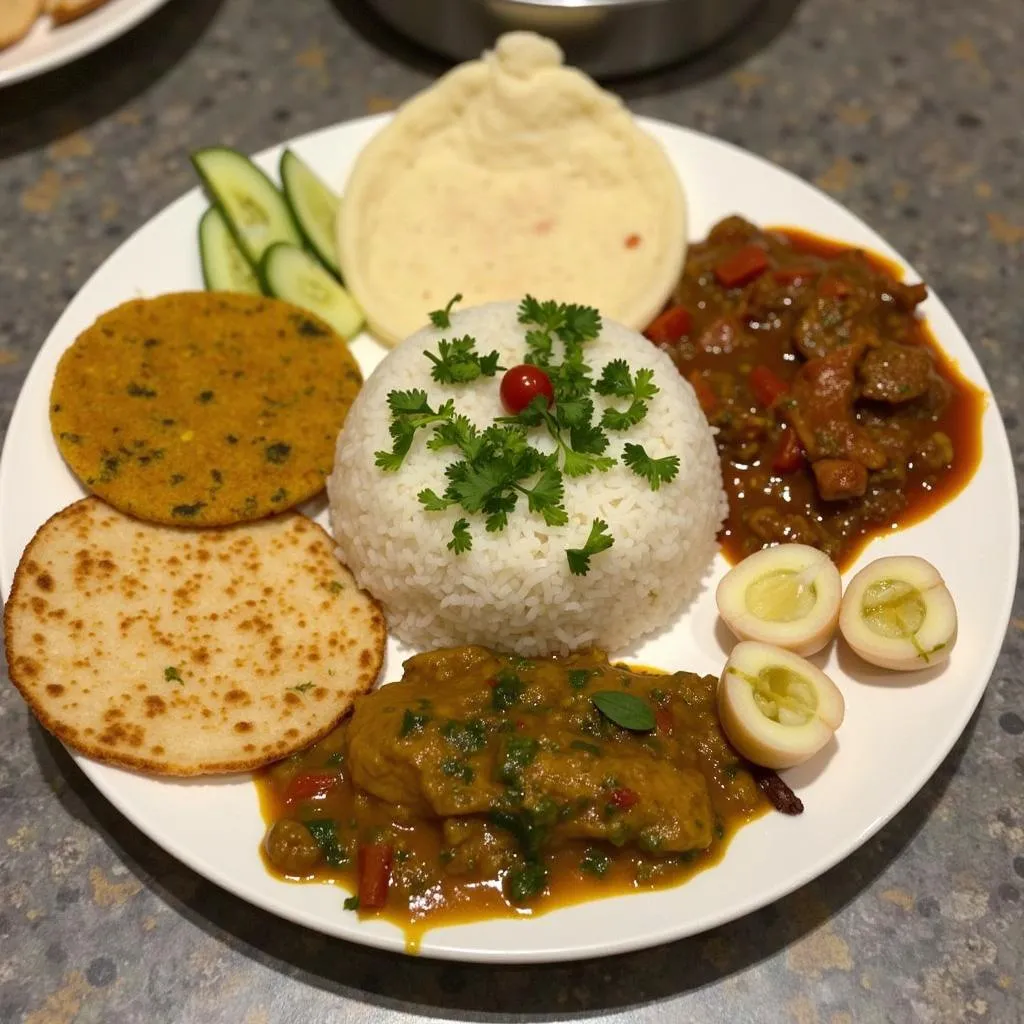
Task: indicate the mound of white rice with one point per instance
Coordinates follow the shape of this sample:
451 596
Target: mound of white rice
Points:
513 590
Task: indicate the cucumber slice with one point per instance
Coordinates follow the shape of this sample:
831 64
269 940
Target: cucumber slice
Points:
225 268
290 273
314 207
254 209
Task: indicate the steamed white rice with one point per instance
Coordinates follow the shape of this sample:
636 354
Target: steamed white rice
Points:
513 591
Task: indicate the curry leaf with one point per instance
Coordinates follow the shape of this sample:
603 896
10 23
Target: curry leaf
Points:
624 710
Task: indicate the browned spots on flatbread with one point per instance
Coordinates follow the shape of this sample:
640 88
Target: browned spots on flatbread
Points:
203 408
151 665
155 706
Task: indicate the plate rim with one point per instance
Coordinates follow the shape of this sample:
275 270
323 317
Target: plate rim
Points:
391 942
68 52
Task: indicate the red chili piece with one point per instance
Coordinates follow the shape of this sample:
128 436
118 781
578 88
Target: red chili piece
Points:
766 385
790 456
742 267
663 721
707 398
310 786
522 384
670 327
623 798
374 861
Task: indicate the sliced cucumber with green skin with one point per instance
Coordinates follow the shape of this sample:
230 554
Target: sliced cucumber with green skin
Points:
252 205
225 268
290 273
314 207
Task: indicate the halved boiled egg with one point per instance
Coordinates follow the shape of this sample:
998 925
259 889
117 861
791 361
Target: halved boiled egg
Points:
777 709
898 613
787 595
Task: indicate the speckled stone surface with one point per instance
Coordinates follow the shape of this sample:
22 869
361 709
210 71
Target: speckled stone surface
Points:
910 113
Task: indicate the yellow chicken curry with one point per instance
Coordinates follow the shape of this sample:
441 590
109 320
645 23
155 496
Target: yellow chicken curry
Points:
484 785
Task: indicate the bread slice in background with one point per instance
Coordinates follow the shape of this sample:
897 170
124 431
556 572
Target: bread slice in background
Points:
63 11
16 18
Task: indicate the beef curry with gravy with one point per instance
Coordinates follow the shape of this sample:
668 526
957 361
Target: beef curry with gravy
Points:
838 416
484 785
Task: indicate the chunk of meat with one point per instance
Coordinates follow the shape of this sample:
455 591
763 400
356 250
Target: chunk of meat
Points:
435 751
732 229
820 409
840 479
672 810
825 325
719 337
937 452
895 373
909 296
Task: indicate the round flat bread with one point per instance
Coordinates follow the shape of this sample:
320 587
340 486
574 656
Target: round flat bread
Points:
185 652
511 175
203 408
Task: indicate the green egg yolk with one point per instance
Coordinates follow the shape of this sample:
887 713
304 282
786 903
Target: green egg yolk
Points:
781 596
893 609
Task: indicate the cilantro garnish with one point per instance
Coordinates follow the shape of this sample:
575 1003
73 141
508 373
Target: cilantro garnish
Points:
655 471
599 540
498 465
461 540
409 412
459 362
616 380
443 317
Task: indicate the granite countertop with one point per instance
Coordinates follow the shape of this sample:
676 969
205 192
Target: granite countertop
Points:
907 112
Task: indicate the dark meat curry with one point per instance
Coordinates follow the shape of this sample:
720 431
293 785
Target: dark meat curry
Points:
838 416
485 784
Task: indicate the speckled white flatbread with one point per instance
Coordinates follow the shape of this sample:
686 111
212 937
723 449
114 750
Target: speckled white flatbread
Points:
512 174
185 652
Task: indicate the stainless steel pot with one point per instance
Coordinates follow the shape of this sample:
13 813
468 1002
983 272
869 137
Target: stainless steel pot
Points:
604 37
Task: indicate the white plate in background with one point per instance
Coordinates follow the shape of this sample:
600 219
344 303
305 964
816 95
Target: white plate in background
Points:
48 46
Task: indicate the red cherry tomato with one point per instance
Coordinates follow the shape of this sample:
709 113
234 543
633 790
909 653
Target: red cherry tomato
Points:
522 384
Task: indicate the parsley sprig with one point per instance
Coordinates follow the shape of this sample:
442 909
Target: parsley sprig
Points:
618 381
442 318
497 466
460 363
655 471
409 412
599 540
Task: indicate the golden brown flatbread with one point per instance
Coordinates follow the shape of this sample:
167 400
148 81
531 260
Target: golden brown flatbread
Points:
181 651
201 408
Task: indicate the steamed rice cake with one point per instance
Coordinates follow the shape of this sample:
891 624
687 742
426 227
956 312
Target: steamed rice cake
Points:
512 174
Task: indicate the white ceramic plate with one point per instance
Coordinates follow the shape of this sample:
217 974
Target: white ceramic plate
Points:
896 733
48 46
